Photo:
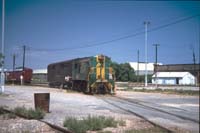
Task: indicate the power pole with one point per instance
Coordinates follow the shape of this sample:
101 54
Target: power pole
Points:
13 75
146 23
2 48
156 60
194 59
138 60
24 50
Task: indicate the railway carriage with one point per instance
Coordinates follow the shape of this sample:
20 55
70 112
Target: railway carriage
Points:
89 74
14 76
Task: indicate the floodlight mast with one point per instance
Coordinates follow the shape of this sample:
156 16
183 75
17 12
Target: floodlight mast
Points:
2 49
146 23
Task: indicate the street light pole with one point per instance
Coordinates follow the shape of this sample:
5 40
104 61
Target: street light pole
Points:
2 48
146 23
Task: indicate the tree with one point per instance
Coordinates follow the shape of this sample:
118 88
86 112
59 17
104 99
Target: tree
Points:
1 59
124 72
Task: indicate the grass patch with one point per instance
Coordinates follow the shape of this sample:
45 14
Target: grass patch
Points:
147 130
92 123
122 122
29 113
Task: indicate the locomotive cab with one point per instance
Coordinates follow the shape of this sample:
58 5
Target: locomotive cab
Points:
101 76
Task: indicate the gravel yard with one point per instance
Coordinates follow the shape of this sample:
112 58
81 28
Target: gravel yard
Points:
22 125
65 104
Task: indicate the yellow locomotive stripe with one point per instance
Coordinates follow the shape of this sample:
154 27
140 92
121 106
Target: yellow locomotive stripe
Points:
103 69
100 69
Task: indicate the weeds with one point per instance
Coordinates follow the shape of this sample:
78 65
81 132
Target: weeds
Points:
122 122
29 113
92 123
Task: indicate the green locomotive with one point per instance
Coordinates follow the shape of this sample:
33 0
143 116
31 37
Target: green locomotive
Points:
89 74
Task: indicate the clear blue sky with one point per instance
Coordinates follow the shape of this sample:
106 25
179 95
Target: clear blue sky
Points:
56 30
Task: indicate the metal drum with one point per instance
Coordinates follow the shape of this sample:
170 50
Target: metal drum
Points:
42 101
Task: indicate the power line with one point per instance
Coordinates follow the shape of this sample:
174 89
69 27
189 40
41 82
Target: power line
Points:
122 37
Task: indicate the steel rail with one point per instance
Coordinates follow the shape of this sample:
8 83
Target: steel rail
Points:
136 114
160 110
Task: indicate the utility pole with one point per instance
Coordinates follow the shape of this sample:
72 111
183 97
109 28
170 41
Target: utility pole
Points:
138 60
24 50
146 23
194 59
14 56
2 48
156 60
13 75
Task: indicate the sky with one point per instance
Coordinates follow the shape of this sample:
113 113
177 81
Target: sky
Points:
57 30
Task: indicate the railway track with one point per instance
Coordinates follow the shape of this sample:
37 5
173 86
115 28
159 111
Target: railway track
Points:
156 116
135 101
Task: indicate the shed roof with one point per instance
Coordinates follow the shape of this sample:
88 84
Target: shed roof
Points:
171 74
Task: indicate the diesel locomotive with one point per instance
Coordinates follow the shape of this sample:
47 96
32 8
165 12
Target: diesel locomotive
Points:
89 74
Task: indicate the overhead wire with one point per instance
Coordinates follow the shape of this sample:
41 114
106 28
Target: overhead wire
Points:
120 38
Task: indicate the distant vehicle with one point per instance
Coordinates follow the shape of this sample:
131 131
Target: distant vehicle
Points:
18 74
90 74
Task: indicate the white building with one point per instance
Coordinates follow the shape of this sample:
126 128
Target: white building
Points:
174 78
141 68
39 76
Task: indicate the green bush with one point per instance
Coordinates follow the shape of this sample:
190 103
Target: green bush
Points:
92 123
29 113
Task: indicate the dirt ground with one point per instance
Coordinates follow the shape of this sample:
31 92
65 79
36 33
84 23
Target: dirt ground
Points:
20 125
65 104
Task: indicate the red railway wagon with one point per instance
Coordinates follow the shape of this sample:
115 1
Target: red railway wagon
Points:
14 76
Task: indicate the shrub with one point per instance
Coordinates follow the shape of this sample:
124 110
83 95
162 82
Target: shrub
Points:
92 123
29 113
